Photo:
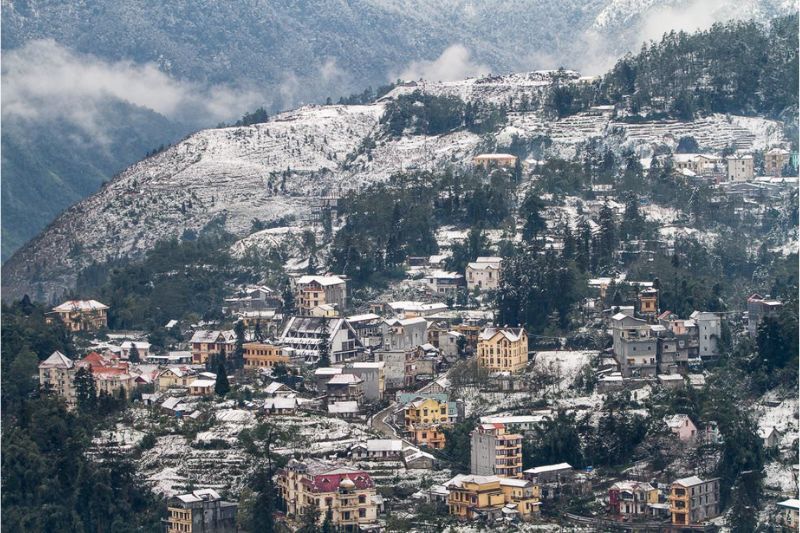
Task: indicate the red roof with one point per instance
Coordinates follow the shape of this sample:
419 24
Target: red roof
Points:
330 482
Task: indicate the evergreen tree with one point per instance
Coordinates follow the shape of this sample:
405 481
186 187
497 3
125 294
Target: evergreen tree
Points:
238 351
632 221
133 354
85 389
288 301
324 349
222 387
309 519
607 235
531 211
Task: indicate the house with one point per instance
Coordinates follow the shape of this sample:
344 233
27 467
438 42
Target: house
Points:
263 355
202 387
252 298
57 374
416 459
770 436
347 409
280 405
424 416
693 500
201 511
408 309
759 307
671 381
740 167
111 376
494 160
324 374
444 283
345 387
302 336
373 378
709 330
142 348
378 450
472 497
635 349
503 349
81 315
175 376
368 328
682 427
552 480
484 273
648 302
276 389
345 494
790 513
403 334
206 344
630 499
774 161
451 343
494 452
326 310
313 291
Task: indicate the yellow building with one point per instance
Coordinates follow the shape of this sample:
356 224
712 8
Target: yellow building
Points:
648 302
424 419
81 315
175 376
693 500
261 355
199 512
347 494
57 375
492 497
503 349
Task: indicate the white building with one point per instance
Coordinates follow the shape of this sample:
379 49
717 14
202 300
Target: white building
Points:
740 167
484 273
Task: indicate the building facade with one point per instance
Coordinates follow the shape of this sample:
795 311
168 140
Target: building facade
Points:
503 349
693 500
495 452
484 274
201 511
81 315
56 374
491 497
314 291
263 355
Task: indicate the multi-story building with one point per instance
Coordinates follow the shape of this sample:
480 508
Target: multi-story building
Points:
345 387
313 291
631 498
372 376
207 344
424 418
757 308
648 302
201 511
404 334
302 336
503 349
81 315
175 377
263 355
635 348
445 284
345 494
790 514
774 161
740 167
484 273
368 328
495 452
693 500
56 374
491 497
709 330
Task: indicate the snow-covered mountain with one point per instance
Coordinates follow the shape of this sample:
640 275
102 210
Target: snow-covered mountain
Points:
276 169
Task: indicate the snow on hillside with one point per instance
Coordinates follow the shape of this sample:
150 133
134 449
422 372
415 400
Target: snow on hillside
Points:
273 171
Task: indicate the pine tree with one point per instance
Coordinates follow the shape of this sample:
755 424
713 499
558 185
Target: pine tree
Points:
288 301
238 352
85 389
222 387
324 349
133 354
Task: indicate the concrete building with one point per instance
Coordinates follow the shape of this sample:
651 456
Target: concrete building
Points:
693 500
635 349
709 330
314 291
302 336
740 167
503 349
201 511
81 315
757 308
631 499
211 343
346 494
373 378
774 161
263 355
56 374
445 284
484 273
404 334
495 160
495 452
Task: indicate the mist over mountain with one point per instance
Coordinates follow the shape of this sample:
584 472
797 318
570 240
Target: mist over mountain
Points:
90 88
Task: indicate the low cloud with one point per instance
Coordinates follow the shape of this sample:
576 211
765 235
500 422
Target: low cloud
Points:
44 80
455 63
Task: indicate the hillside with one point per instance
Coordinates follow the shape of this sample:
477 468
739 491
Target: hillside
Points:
274 170
281 55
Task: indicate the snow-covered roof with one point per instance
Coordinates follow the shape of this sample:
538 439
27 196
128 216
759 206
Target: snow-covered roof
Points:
365 317
199 496
346 407
483 266
459 480
632 485
203 383
512 482
383 445
688 481
677 420
548 468
325 281
205 336
513 419
276 386
670 377
494 157
280 403
512 334
791 503
79 305
57 360
369 364
345 379
327 371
